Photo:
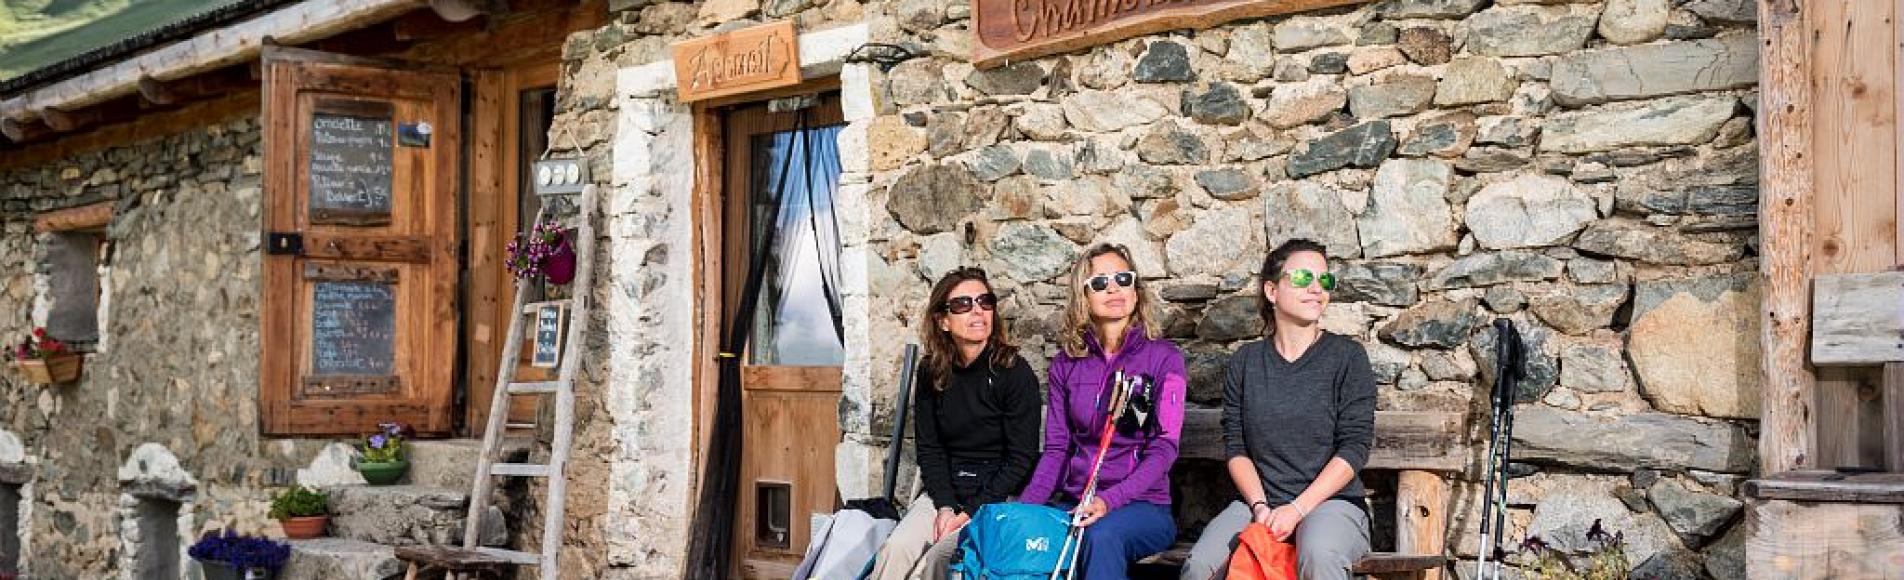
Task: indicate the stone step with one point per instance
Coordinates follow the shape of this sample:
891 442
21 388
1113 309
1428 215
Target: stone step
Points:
451 463
341 559
407 515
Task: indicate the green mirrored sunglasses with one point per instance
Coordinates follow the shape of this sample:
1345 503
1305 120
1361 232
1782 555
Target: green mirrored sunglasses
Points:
1303 277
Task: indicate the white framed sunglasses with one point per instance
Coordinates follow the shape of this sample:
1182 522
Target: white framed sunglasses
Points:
1102 282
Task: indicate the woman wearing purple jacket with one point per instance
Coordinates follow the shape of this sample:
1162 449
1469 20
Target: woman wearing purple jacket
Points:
1109 328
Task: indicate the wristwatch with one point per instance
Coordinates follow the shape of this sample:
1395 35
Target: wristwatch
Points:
1262 502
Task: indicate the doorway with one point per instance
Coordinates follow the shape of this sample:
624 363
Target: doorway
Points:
779 172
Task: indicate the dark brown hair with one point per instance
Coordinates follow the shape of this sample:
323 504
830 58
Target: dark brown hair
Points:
1273 273
941 352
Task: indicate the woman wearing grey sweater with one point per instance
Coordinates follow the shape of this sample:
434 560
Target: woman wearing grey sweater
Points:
1298 420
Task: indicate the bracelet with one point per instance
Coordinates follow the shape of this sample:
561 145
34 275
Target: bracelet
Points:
1262 502
1299 510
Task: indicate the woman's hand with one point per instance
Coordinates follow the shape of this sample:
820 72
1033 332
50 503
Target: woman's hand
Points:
1260 512
947 522
1283 520
1090 513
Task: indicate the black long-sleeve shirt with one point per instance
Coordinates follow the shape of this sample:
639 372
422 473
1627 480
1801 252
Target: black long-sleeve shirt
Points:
1291 417
982 428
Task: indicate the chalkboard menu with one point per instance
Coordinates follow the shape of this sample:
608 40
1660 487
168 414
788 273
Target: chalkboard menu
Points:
351 167
548 336
353 328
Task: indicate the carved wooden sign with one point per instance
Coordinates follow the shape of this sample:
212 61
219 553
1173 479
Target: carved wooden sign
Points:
1023 29
749 59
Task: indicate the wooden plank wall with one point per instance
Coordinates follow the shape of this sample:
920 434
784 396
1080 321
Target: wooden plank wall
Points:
1855 198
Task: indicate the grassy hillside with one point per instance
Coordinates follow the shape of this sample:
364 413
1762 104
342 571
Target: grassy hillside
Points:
36 33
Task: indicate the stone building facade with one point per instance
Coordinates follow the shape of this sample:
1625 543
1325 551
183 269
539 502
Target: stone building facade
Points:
1586 168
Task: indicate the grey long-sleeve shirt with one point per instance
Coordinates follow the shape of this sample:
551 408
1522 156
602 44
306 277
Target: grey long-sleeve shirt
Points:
1291 417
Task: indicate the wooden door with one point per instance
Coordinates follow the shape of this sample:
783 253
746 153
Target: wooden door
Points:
790 377
359 305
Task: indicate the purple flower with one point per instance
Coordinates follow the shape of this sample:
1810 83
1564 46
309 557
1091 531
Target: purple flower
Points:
378 441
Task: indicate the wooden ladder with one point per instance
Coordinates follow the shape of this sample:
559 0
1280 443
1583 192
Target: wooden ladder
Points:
473 557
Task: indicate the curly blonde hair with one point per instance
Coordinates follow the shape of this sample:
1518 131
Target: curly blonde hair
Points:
1077 310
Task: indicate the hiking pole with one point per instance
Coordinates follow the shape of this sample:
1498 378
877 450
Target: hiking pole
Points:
1074 538
1508 359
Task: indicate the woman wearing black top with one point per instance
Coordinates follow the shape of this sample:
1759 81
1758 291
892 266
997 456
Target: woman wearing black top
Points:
976 429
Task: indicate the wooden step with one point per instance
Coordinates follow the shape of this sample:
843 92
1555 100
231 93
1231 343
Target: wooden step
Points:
519 470
535 388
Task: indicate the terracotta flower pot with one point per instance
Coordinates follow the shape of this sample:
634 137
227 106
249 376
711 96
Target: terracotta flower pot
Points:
304 528
63 368
384 473
561 266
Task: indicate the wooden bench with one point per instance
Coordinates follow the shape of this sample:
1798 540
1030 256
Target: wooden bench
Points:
456 562
1421 447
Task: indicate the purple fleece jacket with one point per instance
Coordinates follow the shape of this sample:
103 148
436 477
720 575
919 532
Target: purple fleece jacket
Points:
1137 467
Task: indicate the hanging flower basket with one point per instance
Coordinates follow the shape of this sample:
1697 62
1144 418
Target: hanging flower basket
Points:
45 361
546 252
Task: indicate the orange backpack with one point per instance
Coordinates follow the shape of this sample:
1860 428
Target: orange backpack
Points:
1260 557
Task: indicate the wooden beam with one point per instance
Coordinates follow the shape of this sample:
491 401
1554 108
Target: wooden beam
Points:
426 25
1893 403
197 87
1425 441
213 49
85 217
1857 319
1421 516
462 10
64 121
148 126
24 130
1786 439
1819 485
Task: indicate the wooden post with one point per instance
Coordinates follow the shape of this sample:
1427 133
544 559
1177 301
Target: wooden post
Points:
1421 518
1786 439
1893 398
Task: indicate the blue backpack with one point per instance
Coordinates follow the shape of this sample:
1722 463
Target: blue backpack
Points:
1012 540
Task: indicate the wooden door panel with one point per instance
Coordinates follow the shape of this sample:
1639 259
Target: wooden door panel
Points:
790 437
359 323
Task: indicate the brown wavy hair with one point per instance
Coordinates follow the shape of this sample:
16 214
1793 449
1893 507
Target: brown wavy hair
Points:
1077 310
941 351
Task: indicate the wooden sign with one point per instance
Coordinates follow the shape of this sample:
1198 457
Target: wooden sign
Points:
1023 29
353 328
351 163
745 60
550 321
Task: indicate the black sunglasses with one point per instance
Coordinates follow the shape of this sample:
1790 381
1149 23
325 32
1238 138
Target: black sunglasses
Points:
1100 282
964 304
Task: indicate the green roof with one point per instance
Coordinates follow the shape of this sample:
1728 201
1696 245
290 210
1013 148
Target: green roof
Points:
38 33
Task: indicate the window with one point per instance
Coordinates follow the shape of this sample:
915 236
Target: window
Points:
795 322
72 267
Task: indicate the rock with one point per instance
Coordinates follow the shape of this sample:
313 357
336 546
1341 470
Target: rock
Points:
1298 104
1147 253
1400 9
1428 46
1568 512
1099 158
1455 365
1634 21
993 163
1300 33
1384 283
1104 112
1672 564
1106 69
1290 70
1694 345
1164 62
1492 160
1394 96
1305 209
1376 33
1725 558
1504 299
1387 362
1330 63
1017 198
1046 165
1692 512
1435 323
1030 253
1582 310
1530 30
1021 78
1529 211
1655 70
1725 11
1508 131
1469 80
1621 444
1655 245
1541 369
933 198
917 82
1218 242
398 515
1721 183
939 254
1364 145
1250 145
330 558
333 465
1145 182
1168 144
913 15
1365 61
1489 268
1446 136
1215 104
1593 368
1041 121
1207 367
1226 184
892 142
1190 292
1684 25
1408 209
1252 55
1231 318
1591 271
1687 120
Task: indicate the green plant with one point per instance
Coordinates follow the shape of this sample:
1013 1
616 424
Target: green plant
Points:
299 502
1605 561
384 446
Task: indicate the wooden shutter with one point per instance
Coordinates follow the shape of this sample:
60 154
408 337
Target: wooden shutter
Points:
360 266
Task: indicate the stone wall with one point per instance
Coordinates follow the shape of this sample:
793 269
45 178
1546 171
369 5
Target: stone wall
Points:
1586 169
176 373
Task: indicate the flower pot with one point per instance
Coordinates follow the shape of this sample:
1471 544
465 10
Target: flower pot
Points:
305 528
223 571
383 473
61 368
560 268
